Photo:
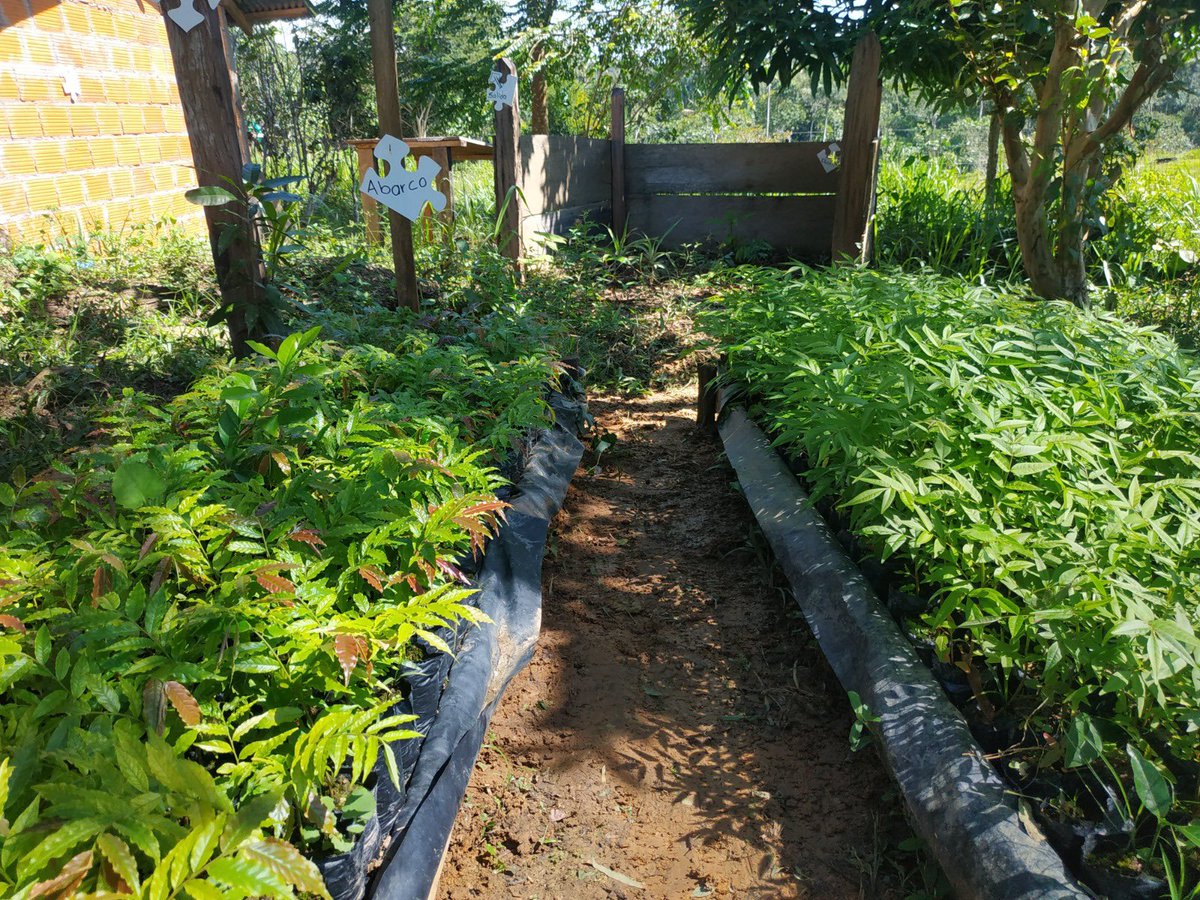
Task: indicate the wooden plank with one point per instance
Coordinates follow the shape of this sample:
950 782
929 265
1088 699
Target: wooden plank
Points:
558 171
365 152
799 226
617 138
559 221
727 168
854 217
208 95
504 162
387 95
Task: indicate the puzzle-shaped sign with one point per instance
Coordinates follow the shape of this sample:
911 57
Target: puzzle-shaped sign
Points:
830 157
186 16
502 89
400 190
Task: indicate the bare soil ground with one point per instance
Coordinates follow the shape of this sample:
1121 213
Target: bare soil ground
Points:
677 734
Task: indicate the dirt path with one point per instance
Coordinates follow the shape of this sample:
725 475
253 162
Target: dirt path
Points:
677 726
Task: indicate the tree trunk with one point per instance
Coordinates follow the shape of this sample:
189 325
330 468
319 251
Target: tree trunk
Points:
993 160
540 113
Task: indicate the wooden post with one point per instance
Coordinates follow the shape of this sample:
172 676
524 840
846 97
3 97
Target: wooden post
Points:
617 140
387 97
370 206
208 95
706 400
508 200
853 214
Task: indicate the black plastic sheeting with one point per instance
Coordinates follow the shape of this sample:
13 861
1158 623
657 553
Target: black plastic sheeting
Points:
399 853
958 803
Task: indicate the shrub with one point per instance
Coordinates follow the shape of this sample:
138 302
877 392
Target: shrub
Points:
204 618
1034 469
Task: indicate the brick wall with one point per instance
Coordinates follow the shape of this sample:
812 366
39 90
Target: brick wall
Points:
115 153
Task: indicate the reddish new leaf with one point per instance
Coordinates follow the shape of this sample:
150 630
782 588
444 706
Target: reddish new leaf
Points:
372 576
12 622
453 571
101 584
183 701
148 545
307 536
346 648
66 881
272 583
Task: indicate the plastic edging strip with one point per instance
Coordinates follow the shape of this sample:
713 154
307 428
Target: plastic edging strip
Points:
958 803
510 593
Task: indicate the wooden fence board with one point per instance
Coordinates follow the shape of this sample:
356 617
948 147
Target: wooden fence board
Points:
799 226
727 168
558 171
559 221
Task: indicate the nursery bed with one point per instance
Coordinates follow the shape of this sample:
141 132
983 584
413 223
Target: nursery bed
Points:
399 854
957 801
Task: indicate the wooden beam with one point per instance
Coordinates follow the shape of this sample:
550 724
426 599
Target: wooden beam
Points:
504 160
365 152
617 139
208 95
234 12
854 211
387 95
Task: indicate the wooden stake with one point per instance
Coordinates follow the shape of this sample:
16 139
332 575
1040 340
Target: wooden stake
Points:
617 135
853 214
387 97
508 137
706 400
208 95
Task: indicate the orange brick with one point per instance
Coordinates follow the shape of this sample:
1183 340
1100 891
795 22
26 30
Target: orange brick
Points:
143 181
104 152
164 178
46 14
139 209
137 90
122 183
127 27
17 160
76 17
118 213
128 153
77 153
70 190
122 59
94 216
102 22
133 120
116 90
141 59
98 187
8 87
11 48
83 121
39 49
50 157
159 91
34 89
73 55
148 147
173 119
12 198
13 12
55 120
23 120
109 119
41 193
91 89
155 123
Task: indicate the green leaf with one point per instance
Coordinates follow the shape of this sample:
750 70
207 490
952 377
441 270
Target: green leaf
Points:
1152 787
1082 742
121 858
209 195
135 485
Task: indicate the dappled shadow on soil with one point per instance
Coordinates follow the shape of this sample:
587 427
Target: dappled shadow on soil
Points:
677 725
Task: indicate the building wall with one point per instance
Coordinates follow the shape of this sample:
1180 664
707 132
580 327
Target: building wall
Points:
114 154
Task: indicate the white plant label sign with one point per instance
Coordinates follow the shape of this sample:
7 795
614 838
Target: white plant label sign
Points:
830 157
403 191
186 16
502 88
